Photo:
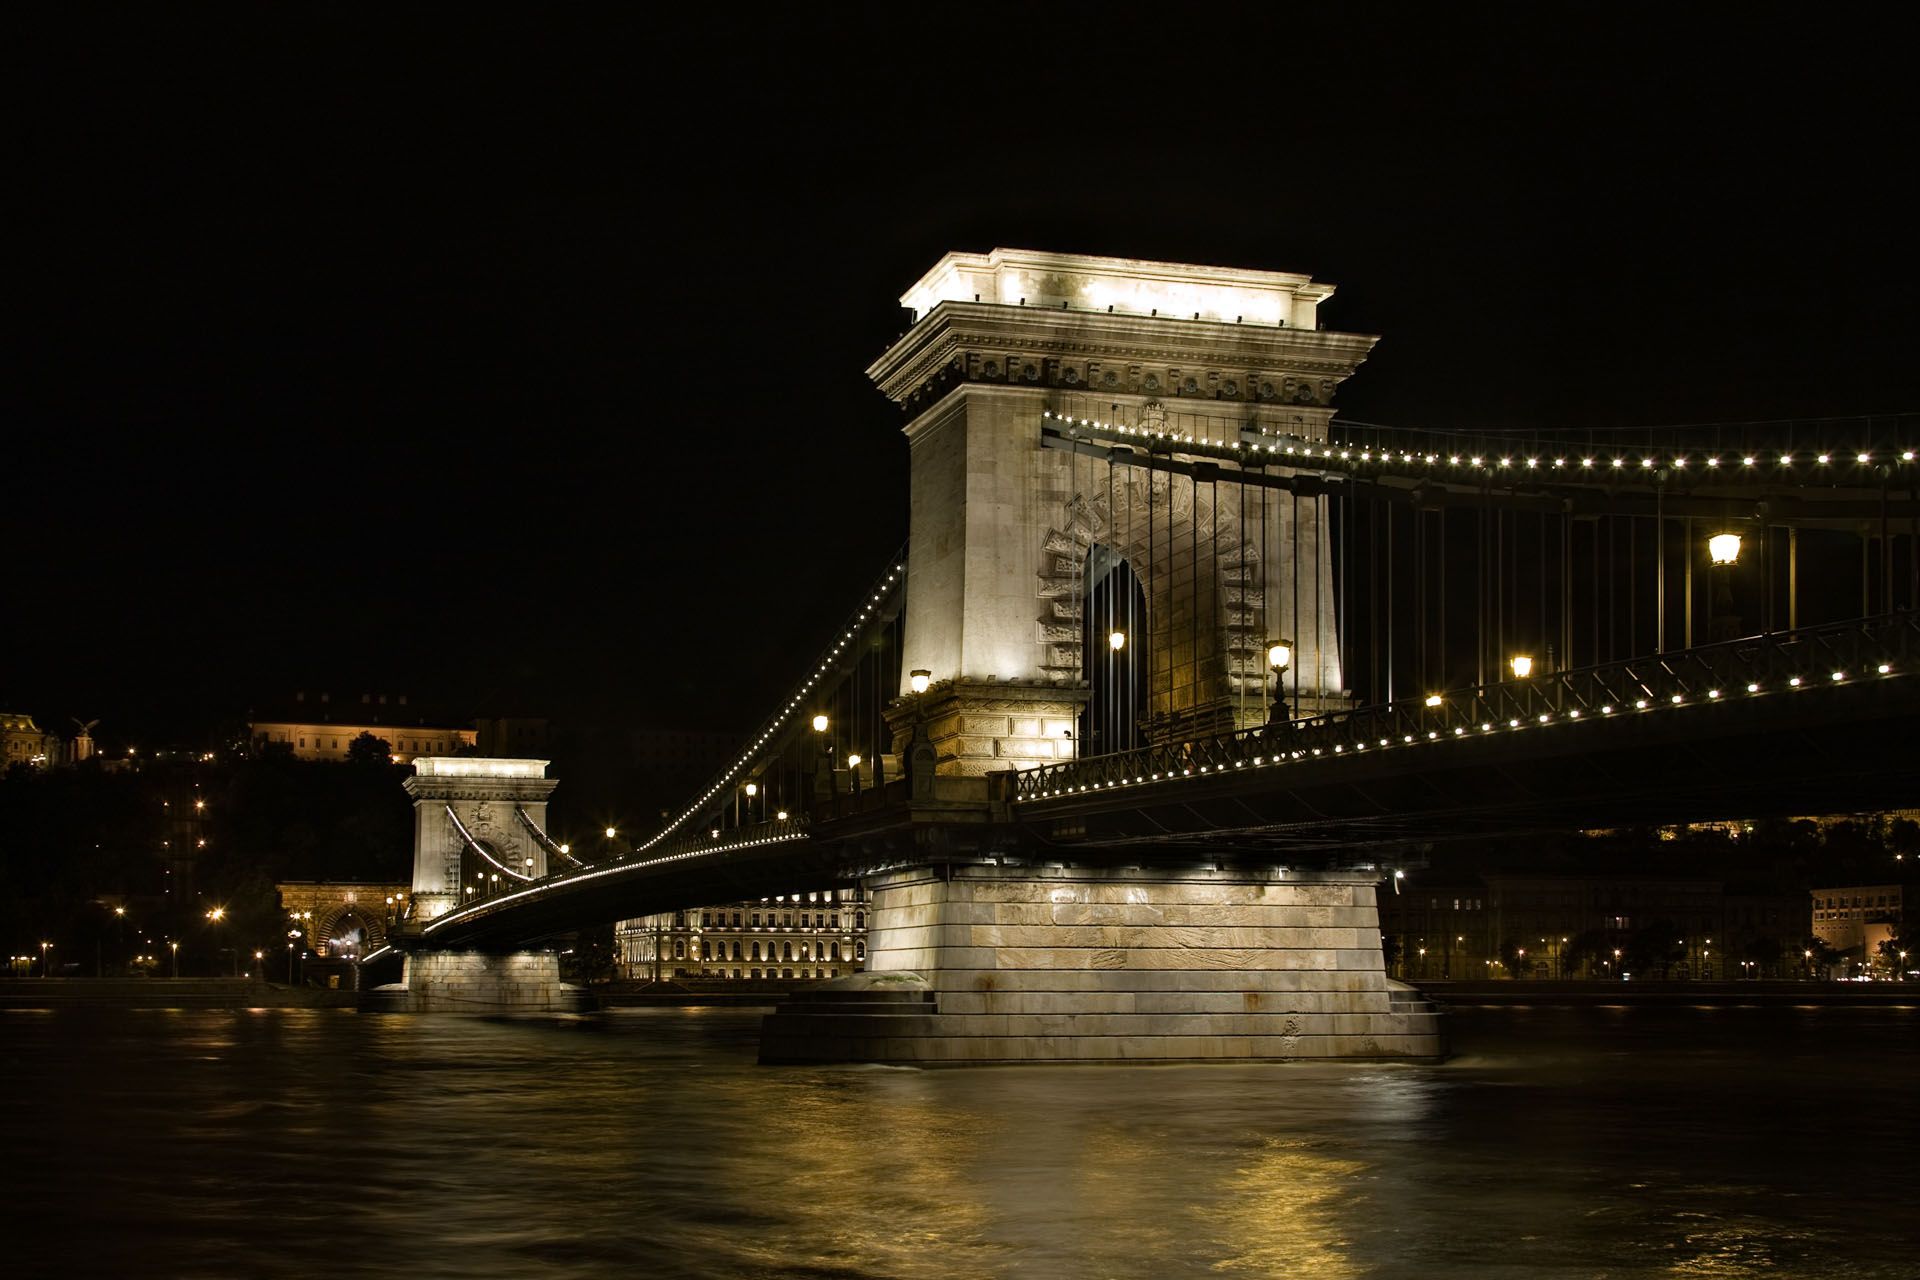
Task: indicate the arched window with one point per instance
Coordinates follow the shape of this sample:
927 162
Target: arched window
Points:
859 919
706 949
754 949
788 950
679 950
859 951
836 951
736 952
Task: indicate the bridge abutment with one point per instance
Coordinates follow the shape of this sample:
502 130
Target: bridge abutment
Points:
1058 964
481 982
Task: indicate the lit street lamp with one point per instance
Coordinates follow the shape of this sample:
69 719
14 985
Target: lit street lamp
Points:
1723 550
822 769
1279 657
1521 664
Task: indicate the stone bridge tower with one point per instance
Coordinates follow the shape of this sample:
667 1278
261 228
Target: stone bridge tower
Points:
484 795
1005 533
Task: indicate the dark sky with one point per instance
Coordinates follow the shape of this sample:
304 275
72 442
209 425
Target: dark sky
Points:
517 360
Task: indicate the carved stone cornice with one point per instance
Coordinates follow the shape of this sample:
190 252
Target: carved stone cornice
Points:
1099 353
439 789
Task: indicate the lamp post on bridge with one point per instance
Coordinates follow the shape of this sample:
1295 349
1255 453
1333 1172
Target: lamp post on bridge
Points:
822 753
1279 657
1723 549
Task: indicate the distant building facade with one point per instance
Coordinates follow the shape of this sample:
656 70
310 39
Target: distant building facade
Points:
801 935
1853 920
514 737
23 742
1538 926
321 728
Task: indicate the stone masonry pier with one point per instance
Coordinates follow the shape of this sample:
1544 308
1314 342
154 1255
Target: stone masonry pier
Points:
478 982
1025 964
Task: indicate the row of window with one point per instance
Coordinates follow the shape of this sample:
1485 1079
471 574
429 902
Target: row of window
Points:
711 950
333 744
1859 900
821 920
756 973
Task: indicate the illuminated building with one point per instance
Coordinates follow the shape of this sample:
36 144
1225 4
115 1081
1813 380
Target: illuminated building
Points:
23 742
322 729
1539 926
813 935
1853 920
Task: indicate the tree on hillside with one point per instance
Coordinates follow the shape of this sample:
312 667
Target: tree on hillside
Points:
369 750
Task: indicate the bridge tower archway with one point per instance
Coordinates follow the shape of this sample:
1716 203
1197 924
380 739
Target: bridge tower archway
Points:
1115 635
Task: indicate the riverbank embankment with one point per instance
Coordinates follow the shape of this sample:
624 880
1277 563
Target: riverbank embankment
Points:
1545 992
165 993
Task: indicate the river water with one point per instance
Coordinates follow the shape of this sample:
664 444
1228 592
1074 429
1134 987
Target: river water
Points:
325 1143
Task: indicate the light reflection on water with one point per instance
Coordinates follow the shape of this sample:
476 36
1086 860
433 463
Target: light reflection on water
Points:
1612 1142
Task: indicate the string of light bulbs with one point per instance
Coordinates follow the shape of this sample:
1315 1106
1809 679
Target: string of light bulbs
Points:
1031 784
865 615
1590 462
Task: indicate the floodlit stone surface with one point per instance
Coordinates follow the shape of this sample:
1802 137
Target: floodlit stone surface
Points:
484 793
475 982
1254 968
1002 528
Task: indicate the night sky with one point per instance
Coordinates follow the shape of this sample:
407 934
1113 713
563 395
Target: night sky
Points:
517 362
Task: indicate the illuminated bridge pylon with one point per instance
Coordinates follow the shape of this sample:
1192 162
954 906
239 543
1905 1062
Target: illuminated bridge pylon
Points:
1143 556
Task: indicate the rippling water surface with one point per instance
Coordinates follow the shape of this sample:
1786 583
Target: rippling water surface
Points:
1602 1143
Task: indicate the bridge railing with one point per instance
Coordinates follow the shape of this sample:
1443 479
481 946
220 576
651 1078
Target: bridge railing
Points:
1831 653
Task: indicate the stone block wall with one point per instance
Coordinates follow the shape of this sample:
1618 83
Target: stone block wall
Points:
1088 965
476 982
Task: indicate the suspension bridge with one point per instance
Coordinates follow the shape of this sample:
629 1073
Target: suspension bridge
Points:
1176 667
